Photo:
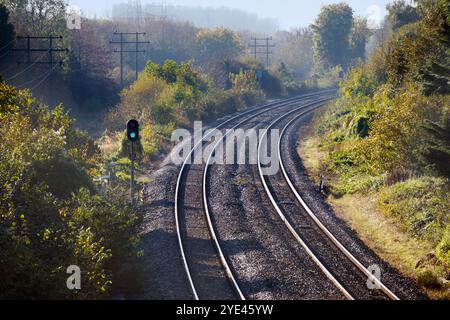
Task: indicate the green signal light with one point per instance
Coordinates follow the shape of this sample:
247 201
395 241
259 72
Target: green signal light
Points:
133 130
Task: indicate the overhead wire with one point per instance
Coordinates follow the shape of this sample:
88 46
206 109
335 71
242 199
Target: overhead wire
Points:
13 65
4 54
45 78
7 45
27 68
33 80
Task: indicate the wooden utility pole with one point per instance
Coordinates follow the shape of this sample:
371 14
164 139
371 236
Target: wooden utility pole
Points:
135 50
262 46
51 50
51 62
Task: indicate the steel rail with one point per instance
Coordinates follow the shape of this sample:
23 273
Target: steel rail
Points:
206 205
277 208
264 108
208 214
322 227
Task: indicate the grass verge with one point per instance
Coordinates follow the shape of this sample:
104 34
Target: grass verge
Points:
386 236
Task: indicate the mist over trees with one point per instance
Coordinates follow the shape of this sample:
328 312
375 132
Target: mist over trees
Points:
38 16
92 69
223 17
391 121
215 48
89 78
295 50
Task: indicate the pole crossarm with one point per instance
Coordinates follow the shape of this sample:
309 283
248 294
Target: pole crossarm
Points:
256 45
52 62
130 33
262 46
130 42
129 51
60 62
122 50
39 37
40 50
262 52
51 50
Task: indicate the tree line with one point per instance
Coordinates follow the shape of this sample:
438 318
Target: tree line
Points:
388 133
53 213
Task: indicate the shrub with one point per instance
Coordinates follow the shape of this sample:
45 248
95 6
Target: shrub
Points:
394 131
354 182
443 249
420 204
244 81
428 279
136 103
358 83
50 215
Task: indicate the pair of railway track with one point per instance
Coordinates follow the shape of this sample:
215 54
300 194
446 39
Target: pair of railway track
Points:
192 208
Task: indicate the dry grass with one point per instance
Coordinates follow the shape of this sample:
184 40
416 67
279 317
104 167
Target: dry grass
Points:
311 155
388 239
111 144
380 233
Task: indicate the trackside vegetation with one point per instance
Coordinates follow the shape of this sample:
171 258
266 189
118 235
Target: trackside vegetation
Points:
174 95
388 133
51 214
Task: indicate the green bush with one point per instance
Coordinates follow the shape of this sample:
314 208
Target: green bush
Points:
341 161
428 279
218 103
390 124
422 205
172 94
354 182
50 215
443 249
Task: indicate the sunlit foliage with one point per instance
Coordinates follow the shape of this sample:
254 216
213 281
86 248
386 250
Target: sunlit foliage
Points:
388 131
51 216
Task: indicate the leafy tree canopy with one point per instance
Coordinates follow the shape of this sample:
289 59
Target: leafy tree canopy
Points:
401 13
332 30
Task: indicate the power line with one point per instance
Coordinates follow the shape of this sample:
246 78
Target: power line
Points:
45 78
32 80
51 50
7 45
12 66
257 48
27 68
135 49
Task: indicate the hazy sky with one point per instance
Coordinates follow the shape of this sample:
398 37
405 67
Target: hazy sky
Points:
289 13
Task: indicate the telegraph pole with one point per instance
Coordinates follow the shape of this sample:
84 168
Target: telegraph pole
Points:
51 50
262 46
28 50
121 59
135 49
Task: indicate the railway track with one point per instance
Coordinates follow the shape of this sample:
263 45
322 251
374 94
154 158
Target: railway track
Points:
331 256
193 226
208 269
